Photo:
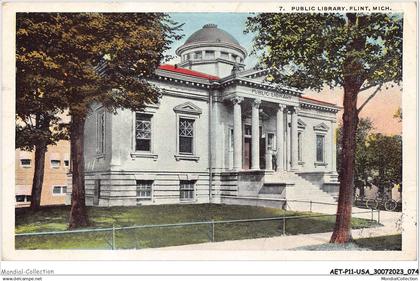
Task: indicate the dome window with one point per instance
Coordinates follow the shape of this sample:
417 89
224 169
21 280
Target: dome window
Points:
224 55
209 55
234 57
198 55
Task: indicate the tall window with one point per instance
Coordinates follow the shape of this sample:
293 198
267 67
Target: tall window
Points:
143 132
186 135
271 145
186 190
143 190
300 156
248 131
320 148
100 139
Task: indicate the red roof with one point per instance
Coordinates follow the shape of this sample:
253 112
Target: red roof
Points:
189 72
318 101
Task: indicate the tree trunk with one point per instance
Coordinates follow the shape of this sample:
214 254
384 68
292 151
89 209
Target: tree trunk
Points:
342 229
38 178
353 80
78 212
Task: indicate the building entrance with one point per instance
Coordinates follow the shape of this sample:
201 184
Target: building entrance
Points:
247 148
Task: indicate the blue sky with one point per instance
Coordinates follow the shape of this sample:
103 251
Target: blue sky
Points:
233 23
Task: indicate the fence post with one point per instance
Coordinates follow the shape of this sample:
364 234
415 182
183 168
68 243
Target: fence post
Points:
284 225
212 230
379 216
371 214
310 206
113 237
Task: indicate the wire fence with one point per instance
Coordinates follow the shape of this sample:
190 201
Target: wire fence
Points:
158 235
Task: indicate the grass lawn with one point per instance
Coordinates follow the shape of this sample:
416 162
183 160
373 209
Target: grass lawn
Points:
56 218
381 243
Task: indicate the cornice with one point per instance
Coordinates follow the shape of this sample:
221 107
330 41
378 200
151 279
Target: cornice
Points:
210 44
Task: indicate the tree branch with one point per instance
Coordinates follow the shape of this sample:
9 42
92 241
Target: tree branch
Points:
370 97
368 87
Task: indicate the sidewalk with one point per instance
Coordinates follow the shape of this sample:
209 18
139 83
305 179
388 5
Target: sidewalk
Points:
390 221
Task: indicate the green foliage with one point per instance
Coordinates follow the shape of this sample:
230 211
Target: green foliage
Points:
364 129
385 159
58 55
312 50
378 157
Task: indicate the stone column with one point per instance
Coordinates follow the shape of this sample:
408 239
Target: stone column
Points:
255 137
237 133
333 148
294 139
280 137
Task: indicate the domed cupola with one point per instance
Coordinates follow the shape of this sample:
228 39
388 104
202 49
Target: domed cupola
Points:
211 50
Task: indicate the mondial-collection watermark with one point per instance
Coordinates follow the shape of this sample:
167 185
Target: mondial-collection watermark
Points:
29 271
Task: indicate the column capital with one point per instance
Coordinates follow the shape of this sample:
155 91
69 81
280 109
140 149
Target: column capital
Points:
256 103
295 109
281 107
237 99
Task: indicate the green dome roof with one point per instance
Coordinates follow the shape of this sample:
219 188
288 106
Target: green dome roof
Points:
210 33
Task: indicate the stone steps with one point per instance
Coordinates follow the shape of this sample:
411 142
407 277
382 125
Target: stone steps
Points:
299 189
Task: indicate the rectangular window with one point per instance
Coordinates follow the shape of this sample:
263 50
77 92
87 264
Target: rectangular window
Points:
186 190
100 139
59 190
25 162
234 57
66 163
186 135
320 148
300 147
209 55
198 55
55 164
23 198
143 132
144 190
224 55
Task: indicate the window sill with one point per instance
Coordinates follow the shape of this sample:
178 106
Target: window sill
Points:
320 164
186 157
144 155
